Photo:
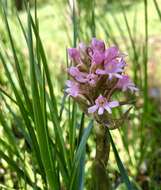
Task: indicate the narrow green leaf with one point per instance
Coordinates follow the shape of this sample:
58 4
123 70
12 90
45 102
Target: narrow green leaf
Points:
78 155
135 54
157 8
120 165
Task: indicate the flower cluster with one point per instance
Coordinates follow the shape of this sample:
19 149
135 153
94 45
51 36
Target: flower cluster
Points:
96 73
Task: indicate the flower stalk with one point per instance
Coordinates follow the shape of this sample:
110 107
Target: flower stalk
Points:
100 178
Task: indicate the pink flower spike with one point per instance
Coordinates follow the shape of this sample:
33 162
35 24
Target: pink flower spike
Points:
72 88
125 83
98 45
101 105
74 54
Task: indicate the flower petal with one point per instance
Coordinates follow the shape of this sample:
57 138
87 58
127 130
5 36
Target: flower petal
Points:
108 108
117 75
69 83
100 72
113 104
92 109
100 110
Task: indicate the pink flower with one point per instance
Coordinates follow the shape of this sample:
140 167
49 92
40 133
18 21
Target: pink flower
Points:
79 76
125 83
111 53
83 77
101 105
74 54
73 71
92 79
72 88
98 45
97 57
112 69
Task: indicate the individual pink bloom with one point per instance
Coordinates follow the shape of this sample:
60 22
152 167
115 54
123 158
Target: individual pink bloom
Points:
72 88
74 54
111 53
87 78
98 45
97 57
92 79
101 104
125 83
79 76
73 71
112 69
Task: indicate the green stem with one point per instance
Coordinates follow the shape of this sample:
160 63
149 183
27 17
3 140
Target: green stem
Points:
100 179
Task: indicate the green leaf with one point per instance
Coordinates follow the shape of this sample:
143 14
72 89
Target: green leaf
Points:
120 165
78 155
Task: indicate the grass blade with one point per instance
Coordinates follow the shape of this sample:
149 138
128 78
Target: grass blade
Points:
78 155
120 165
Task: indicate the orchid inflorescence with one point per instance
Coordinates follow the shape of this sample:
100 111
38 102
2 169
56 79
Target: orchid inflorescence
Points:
96 73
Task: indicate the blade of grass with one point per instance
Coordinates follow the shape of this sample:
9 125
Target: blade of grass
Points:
145 118
7 95
157 8
120 165
78 155
72 120
93 23
135 54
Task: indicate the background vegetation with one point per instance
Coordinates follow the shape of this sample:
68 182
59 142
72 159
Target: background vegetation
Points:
43 134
